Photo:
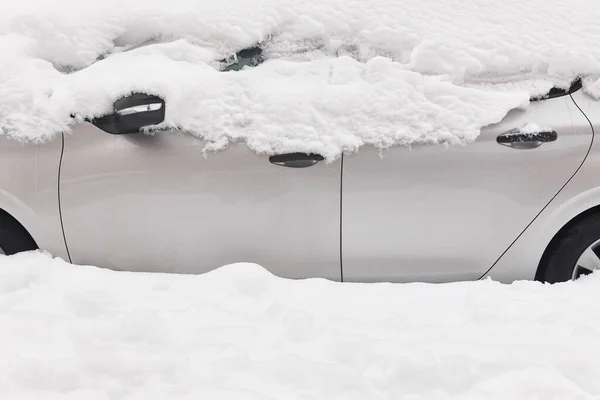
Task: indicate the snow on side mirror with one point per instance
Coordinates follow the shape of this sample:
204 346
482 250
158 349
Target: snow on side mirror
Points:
132 113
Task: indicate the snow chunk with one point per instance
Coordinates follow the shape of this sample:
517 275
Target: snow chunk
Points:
324 106
73 332
531 129
341 73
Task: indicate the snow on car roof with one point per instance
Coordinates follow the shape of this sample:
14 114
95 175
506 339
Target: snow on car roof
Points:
338 74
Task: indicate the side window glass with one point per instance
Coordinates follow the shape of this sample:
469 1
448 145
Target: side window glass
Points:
250 57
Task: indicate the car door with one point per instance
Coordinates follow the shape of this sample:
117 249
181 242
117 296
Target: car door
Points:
436 213
142 202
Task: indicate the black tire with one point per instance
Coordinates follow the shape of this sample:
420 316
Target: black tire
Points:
559 261
14 238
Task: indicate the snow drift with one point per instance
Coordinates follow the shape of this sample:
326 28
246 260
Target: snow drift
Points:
338 73
69 332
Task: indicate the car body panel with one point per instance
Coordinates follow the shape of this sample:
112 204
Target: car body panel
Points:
580 194
28 189
435 213
137 202
144 202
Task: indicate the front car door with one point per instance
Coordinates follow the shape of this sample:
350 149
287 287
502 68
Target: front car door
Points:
433 213
142 202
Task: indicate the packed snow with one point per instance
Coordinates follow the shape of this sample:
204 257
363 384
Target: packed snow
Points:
78 332
338 74
531 129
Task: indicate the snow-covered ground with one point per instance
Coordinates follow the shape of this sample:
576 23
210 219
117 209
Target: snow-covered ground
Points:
71 332
339 73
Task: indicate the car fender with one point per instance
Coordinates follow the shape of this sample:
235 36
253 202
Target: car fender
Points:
581 194
29 189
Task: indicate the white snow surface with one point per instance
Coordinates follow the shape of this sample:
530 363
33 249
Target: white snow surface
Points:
339 73
531 129
78 332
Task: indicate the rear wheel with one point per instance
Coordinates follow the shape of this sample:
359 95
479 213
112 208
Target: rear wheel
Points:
574 253
14 238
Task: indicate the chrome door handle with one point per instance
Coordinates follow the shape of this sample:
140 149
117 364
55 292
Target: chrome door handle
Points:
520 140
140 109
296 160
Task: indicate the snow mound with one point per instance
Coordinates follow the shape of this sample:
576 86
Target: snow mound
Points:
70 332
339 73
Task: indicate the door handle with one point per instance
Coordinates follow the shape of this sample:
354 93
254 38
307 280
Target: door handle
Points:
521 140
296 160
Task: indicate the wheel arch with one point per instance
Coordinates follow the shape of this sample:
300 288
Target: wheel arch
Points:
541 268
40 225
10 223
524 259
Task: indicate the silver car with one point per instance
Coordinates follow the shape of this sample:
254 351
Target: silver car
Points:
510 206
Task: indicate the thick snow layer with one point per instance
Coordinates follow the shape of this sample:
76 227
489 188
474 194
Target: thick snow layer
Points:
70 332
339 73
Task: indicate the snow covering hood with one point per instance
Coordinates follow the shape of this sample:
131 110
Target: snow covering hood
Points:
338 73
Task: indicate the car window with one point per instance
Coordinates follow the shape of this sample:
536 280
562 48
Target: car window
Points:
250 57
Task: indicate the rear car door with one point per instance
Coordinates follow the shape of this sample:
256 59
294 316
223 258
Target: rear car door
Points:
433 213
142 202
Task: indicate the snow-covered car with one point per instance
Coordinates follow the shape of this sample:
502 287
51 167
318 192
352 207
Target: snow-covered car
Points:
521 202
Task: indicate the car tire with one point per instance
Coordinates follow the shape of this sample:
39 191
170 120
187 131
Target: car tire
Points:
14 238
564 252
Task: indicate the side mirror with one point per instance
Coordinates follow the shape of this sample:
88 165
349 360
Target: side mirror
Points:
132 113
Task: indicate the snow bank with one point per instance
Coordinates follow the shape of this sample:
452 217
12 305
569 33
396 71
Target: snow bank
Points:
238 332
339 73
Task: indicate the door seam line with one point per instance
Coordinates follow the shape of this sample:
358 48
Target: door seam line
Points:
62 227
341 217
